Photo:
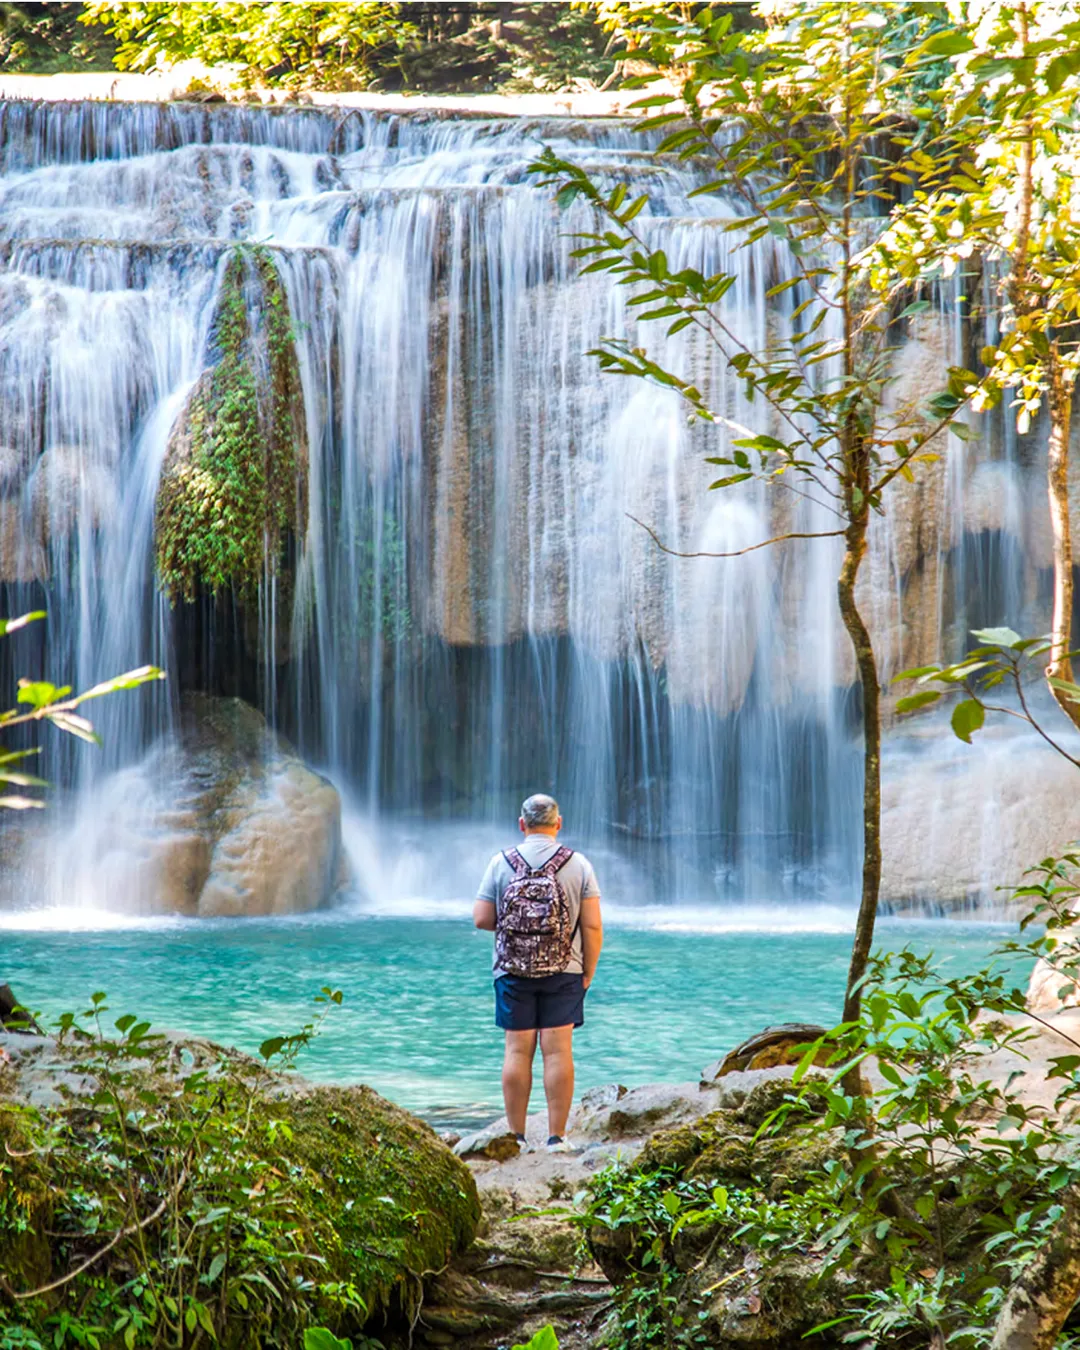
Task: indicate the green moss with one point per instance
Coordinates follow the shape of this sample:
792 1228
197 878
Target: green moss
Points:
334 1200
389 1202
26 1202
231 490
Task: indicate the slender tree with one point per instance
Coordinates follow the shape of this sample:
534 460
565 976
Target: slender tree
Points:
801 125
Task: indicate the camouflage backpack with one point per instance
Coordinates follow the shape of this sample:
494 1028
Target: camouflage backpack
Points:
533 931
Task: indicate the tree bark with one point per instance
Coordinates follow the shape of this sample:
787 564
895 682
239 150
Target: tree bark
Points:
1060 400
1038 1303
871 718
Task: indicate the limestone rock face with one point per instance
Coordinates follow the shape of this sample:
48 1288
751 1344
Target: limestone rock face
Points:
961 821
223 820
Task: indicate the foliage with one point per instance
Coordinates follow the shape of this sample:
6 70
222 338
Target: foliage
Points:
227 500
330 45
545 1339
1003 661
349 46
1011 209
47 38
42 701
381 606
944 1180
1010 105
240 1209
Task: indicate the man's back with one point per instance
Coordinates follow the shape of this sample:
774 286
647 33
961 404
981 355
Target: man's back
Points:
576 877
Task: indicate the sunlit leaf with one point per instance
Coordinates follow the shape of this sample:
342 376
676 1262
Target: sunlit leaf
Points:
13 625
967 717
919 700
75 726
996 637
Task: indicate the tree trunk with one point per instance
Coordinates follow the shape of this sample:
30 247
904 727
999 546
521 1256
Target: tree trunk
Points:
1038 1303
871 716
1060 400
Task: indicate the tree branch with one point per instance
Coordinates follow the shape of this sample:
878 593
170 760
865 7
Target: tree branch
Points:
129 1231
735 553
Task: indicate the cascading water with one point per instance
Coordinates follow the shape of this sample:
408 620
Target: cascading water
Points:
473 612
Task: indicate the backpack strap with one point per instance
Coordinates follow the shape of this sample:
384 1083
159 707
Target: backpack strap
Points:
517 863
557 861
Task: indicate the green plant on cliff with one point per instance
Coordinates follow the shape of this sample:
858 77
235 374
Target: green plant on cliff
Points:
185 1193
329 45
350 46
225 506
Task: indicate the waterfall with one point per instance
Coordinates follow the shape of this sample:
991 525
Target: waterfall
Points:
474 614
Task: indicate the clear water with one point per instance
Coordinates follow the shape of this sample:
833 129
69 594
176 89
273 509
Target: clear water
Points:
417 1020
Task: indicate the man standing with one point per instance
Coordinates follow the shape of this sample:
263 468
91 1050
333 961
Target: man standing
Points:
542 902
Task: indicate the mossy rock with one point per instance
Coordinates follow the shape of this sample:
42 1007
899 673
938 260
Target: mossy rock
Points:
233 489
345 1191
675 1148
26 1202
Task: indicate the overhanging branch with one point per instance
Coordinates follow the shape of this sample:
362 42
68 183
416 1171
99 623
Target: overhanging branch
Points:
738 552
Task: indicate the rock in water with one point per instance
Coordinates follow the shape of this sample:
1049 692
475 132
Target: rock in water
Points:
222 820
783 1044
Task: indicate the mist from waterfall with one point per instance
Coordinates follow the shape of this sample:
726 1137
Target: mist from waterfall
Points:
475 612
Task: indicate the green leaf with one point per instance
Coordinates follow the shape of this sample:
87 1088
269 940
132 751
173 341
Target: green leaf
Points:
951 43
996 637
916 673
132 680
25 779
1067 687
968 717
1060 68
40 693
732 478
545 1339
320 1338
13 625
271 1047
671 1202
919 700
20 803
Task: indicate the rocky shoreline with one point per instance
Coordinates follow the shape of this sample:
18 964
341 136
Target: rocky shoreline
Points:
515 1256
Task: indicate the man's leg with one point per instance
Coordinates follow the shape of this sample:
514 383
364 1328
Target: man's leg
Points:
557 1045
517 1076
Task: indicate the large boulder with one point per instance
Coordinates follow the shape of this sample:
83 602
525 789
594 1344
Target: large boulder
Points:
317 1204
222 819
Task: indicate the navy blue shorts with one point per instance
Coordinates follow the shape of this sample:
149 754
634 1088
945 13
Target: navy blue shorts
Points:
530 1005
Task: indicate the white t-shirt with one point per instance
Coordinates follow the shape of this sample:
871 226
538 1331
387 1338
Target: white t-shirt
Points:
576 877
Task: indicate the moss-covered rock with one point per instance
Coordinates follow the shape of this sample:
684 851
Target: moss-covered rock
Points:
189 1168
234 484
25 1202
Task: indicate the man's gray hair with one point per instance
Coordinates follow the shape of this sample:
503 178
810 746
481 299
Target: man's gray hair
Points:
539 810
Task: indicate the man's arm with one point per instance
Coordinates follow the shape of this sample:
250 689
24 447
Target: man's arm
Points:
592 935
483 915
